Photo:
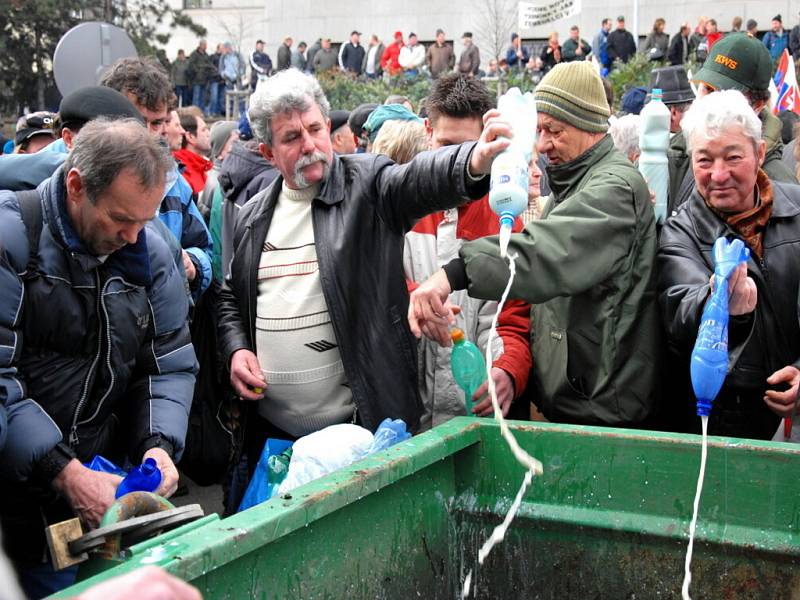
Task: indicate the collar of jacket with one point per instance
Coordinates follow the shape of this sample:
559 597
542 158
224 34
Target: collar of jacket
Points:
331 191
565 176
132 262
709 226
770 130
677 145
240 166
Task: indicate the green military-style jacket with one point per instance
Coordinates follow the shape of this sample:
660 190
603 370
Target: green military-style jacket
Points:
587 268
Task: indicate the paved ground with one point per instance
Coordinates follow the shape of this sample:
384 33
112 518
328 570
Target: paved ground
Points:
210 497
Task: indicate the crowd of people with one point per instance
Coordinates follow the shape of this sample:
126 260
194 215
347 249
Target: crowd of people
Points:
305 264
202 80
199 78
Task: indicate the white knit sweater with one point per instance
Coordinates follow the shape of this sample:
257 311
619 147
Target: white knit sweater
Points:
295 342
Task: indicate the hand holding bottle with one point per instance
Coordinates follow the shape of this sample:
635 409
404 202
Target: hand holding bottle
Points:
742 291
169 473
494 139
504 386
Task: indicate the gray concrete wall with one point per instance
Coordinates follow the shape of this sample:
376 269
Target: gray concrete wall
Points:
272 20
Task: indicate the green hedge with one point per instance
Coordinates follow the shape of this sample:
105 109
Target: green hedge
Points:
344 92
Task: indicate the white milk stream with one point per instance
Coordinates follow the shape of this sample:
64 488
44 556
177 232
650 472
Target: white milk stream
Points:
533 466
687 577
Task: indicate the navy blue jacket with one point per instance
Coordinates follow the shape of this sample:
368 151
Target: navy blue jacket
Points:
91 352
178 212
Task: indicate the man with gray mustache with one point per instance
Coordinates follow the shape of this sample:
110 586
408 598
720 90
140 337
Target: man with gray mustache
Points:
312 317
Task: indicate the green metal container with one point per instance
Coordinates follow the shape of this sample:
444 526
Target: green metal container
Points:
608 519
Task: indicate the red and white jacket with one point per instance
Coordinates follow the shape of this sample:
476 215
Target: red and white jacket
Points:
433 242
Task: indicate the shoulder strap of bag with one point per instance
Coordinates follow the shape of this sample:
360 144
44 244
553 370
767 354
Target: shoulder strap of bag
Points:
30 208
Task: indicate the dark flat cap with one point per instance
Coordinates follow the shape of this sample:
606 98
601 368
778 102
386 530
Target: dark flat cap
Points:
359 116
339 118
92 102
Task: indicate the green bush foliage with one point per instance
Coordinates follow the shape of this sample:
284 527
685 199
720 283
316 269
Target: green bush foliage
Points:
345 92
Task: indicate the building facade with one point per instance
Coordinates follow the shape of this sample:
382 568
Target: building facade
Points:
244 21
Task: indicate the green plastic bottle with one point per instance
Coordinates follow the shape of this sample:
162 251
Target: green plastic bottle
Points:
466 362
278 467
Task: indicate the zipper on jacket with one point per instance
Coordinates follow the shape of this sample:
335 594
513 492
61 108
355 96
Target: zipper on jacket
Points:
73 433
331 308
108 352
252 276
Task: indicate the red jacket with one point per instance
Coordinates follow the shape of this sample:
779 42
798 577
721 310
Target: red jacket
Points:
713 38
195 170
425 252
390 61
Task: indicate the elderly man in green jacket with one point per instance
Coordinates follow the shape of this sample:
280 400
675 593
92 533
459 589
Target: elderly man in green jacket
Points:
587 267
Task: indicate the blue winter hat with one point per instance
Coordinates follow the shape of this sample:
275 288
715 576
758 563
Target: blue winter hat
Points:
387 112
633 100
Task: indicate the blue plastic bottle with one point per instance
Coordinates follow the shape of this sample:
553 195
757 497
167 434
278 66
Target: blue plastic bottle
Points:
654 143
144 478
709 362
468 367
508 188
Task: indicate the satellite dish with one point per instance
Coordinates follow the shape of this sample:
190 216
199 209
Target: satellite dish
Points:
86 51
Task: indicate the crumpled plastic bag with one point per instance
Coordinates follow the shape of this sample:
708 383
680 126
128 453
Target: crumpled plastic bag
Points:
103 465
260 489
324 451
389 433
337 446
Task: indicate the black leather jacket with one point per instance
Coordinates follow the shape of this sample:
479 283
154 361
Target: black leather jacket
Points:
360 217
759 344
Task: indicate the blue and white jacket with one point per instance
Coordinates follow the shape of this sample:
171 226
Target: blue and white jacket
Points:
182 217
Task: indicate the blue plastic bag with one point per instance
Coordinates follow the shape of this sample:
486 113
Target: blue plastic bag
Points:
103 465
388 434
260 489
145 478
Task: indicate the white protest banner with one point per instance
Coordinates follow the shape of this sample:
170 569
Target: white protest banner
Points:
540 13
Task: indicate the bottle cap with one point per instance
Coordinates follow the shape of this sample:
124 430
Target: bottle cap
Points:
656 94
457 335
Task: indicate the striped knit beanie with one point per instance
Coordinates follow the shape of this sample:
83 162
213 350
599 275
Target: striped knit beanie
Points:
573 92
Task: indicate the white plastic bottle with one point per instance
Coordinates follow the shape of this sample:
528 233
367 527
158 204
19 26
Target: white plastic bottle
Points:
508 189
654 143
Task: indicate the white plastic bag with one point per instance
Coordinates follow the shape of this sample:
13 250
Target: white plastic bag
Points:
324 451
